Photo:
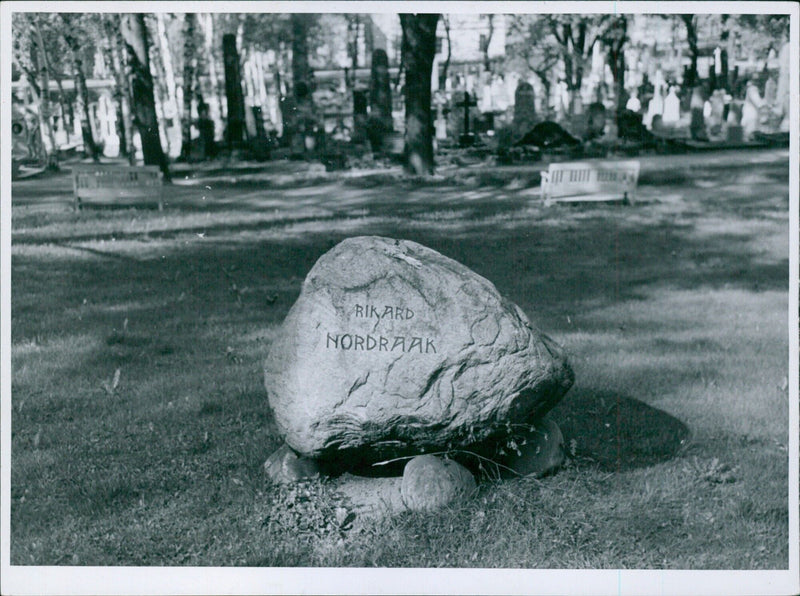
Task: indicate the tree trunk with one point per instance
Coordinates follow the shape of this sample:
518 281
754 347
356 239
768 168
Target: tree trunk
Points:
487 66
66 106
446 66
233 92
159 75
419 48
616 59
122 98
134 33
90 147
691 38
169 79
44 102
298 126
189 50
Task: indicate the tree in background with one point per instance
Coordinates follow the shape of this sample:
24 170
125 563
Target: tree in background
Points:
690 22
529 49
43 66
614 38
418 49
302 81
233 92
189 65
134 33
76 32
576 36
111 46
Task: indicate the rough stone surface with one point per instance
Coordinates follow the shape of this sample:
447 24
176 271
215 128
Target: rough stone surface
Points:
539 450
394 349
284 466
371 497
430 482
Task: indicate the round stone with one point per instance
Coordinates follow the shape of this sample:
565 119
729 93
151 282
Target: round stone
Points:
431 482
284 466
538 449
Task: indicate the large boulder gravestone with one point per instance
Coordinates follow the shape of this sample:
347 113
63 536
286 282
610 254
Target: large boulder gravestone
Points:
394 349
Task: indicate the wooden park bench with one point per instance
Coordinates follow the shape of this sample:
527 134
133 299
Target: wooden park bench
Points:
113 184
590 181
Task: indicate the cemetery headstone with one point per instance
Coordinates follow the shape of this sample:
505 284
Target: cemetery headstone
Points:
697 126
380 100
633 104
735 130
655 107
393 349
359 116
716 113
672 108
782 90
524 107
770 91
596 120
752 103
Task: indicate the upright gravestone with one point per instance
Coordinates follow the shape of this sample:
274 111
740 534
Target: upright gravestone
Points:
380 94
524 108
716 114
359 116
393 349
782 91
595 120
380 100
750 109
697 126
672 108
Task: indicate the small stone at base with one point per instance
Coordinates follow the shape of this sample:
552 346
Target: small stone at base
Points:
431 482
543 451
284 466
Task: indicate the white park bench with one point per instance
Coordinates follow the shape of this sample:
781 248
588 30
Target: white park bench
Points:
590 181
114 184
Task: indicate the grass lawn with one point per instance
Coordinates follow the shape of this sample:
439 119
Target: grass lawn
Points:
140 421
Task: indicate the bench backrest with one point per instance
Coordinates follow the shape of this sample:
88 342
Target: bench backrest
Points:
107 183
93 180
574 178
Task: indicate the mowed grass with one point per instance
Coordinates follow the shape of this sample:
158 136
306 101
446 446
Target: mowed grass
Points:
140 422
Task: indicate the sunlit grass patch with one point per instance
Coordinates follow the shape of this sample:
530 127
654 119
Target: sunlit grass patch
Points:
140 421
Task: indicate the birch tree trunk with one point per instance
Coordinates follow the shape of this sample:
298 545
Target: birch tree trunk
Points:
66 106
189 61
90 148
213 66
44 102
134 34
171 102
419 48
123 97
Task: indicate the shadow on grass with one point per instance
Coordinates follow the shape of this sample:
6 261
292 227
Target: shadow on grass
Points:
617 432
